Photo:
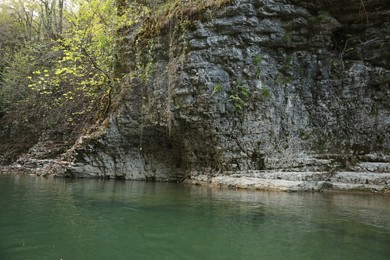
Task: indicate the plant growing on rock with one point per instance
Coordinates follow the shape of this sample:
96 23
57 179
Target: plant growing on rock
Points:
238 96
256 62
217 88
265 92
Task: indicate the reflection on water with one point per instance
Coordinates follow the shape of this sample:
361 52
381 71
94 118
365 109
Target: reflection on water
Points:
94 219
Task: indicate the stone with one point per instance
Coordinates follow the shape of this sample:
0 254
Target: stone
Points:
280 94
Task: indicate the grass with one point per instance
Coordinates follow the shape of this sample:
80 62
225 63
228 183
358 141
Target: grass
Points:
162 16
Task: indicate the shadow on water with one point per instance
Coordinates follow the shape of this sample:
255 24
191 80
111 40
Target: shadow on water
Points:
108 219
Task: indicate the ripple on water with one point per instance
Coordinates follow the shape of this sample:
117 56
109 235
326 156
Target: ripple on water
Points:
89 219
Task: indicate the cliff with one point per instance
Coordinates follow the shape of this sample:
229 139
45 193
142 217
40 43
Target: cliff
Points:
273 94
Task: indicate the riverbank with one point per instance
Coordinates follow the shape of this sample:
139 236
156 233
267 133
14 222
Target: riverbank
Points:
299 181
346 181
263 95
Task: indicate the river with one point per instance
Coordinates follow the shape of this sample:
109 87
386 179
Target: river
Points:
107 219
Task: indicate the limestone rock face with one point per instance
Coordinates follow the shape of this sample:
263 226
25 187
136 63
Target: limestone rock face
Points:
257 87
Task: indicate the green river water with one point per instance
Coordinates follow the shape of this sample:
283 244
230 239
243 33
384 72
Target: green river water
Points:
95 219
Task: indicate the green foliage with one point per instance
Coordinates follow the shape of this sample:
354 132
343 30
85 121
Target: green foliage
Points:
184 25
265 92
374 111
304 135
283 79
287 38
217 88
82 64
238 96
286 68
143 70
57 68
59 59
320 18
256 62
13 86
172 11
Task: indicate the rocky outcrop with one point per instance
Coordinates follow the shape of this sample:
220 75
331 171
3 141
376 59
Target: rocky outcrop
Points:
276 94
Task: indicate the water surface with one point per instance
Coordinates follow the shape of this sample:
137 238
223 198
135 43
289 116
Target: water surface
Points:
95 219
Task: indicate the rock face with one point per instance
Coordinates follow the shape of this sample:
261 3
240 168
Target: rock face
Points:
270 91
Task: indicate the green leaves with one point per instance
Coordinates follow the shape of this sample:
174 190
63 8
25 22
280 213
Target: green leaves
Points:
66 56
238 96
83 60
57 63
217 88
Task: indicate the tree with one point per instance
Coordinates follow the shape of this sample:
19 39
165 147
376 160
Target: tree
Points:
58 70
83 56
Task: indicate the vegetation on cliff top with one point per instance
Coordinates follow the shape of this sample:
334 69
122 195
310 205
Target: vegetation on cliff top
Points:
58 62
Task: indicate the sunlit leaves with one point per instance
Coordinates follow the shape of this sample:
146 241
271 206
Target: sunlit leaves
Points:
65 62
